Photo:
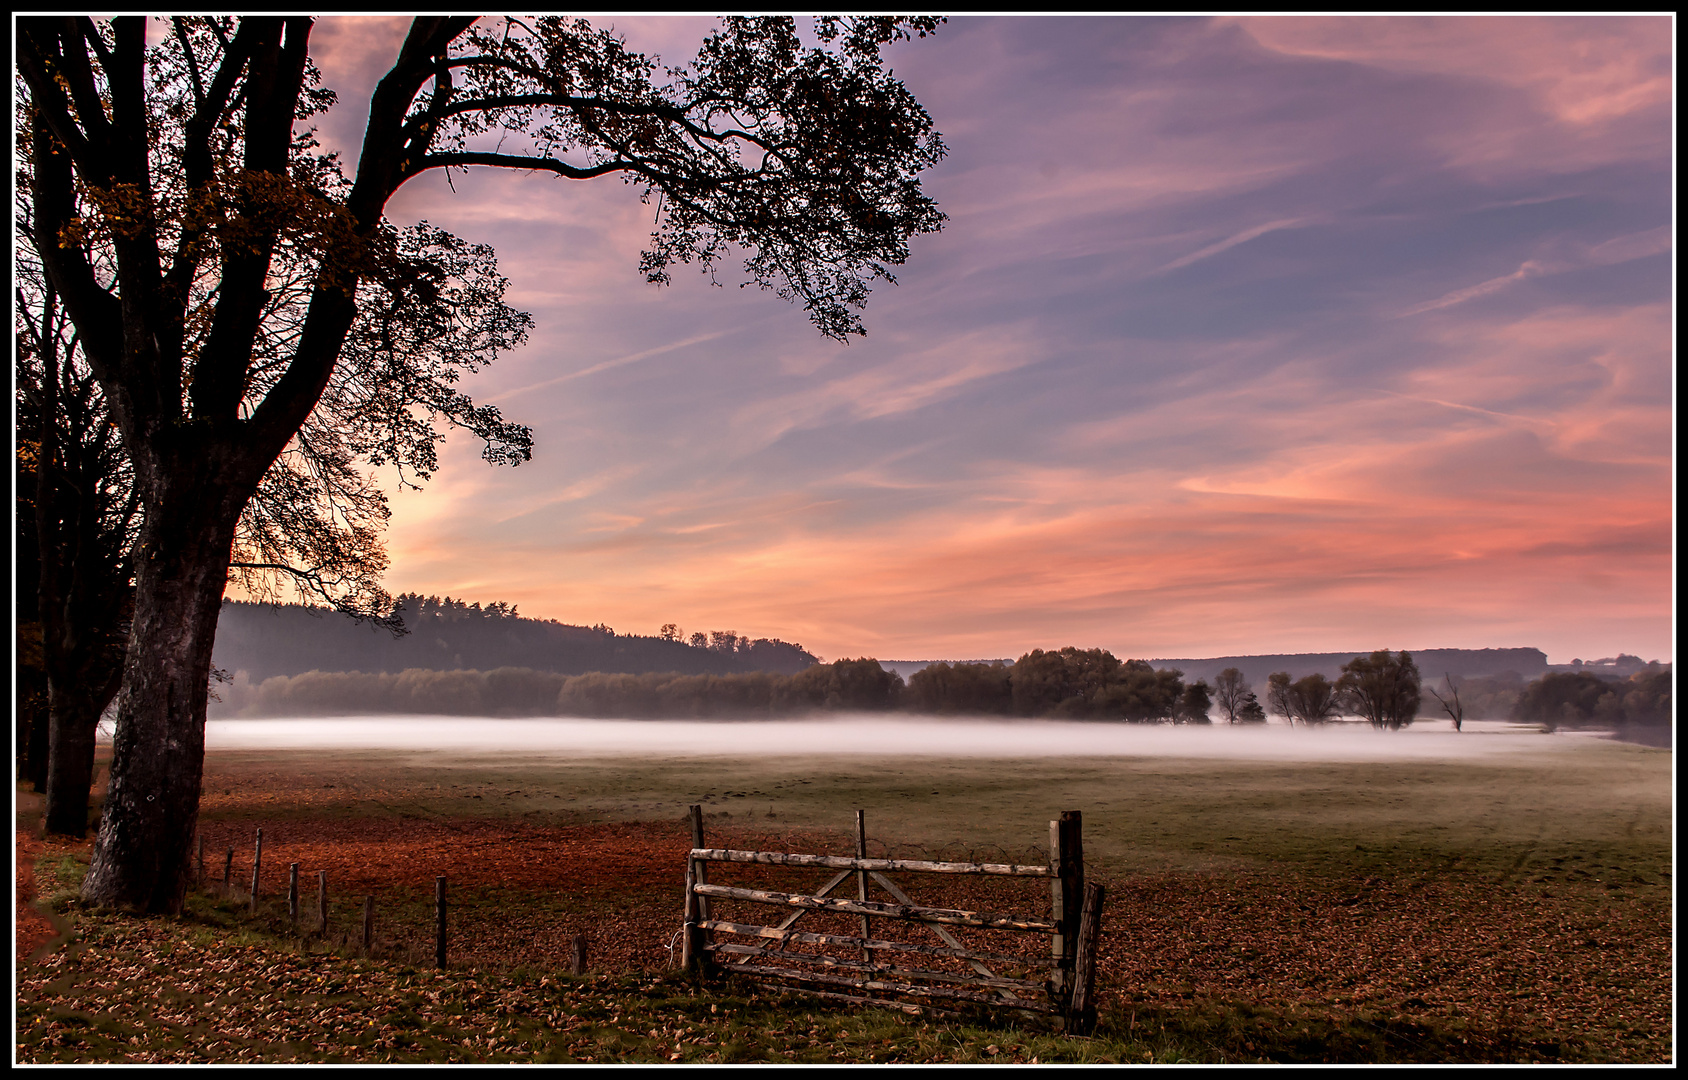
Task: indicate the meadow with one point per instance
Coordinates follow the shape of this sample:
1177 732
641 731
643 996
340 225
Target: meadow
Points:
1502 898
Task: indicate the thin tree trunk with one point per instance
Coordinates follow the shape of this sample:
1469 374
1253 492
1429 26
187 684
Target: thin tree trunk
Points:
143 856
74 718
35 755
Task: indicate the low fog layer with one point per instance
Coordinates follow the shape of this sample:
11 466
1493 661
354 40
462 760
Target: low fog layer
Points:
870 734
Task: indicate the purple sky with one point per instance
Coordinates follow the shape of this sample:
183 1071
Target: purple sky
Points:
1243 336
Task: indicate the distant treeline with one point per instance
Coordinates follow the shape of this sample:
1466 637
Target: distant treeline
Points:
1460 663
847 684
1069 683
444 634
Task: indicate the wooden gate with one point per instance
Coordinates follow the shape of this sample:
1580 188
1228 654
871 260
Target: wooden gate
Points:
916 976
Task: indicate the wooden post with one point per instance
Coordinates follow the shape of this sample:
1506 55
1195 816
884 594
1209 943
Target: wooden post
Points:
577 955
322 902
861 879
698 875
1081 1012
439 921
368 924
690 951
293 894
1066 858
228 870
257 861
702 868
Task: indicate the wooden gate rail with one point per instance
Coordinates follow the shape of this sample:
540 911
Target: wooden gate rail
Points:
1066 993
876 944
822 960
942 916
840 862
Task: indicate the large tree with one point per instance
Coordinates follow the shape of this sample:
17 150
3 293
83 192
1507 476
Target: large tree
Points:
173 194
1384 687
1313 699
311 530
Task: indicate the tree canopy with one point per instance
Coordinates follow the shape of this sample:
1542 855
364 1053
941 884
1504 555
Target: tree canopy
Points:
226 280
1383 687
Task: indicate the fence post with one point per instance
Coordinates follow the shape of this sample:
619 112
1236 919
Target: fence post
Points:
688 927
257 860
293 894
439 921
697 907
322 902
1081 1013
368 924
228 870
1066 858
861 881
577 955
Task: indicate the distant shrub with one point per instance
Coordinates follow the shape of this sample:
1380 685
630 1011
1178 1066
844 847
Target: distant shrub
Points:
966 689
599 695
502 692
1077 683
1578 699
1067 682
855 685
1194 705
1561 699
1140 693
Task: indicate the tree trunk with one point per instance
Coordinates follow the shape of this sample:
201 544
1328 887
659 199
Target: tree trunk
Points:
143 856
35 749
74 716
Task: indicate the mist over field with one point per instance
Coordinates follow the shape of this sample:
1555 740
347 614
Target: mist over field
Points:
867 734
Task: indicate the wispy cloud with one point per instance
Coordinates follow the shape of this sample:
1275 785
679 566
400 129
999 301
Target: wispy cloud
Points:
1232 241
1530 268
630 358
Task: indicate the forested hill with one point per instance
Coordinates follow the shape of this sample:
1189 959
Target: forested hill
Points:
264 640
1432 664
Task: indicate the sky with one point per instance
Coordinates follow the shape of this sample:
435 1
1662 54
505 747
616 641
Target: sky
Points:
1244 335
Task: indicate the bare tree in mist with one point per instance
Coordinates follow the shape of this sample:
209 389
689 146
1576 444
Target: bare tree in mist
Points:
1230 690
1277 696
1311 699
1451 704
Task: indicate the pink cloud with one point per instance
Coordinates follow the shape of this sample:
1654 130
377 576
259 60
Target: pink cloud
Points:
1584 70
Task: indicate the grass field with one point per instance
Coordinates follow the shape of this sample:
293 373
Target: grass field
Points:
1502 907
